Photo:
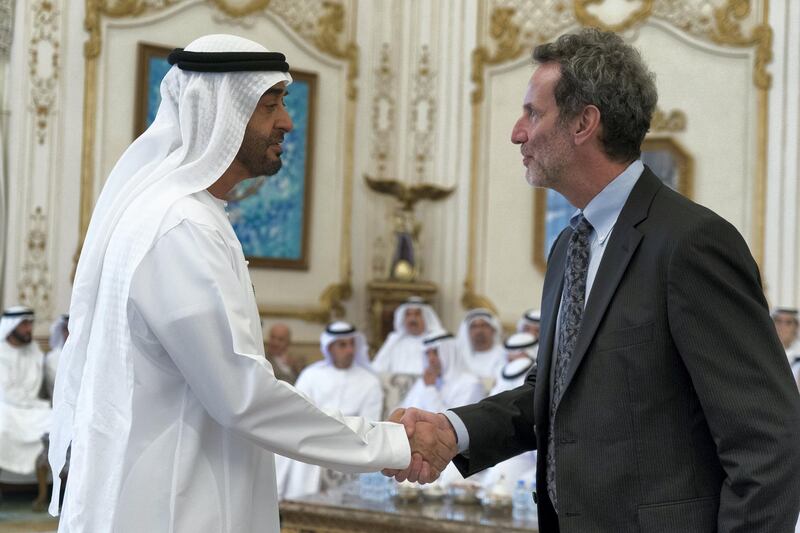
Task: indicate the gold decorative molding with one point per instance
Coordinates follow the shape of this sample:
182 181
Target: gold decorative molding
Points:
44 79
634 18
673 122
34 283
728 31
327 32
330 304
330 26
383 109
507 34
423 113
239 11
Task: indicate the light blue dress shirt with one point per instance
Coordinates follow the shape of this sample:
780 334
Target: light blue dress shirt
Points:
602 213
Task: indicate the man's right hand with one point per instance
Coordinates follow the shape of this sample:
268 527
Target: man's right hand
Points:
433 444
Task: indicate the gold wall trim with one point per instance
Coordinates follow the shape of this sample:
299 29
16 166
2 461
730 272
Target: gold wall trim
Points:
512 41
327 38
636 17
34 287
507 34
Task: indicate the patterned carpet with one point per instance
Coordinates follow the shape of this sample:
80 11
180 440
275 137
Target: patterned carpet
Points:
16 515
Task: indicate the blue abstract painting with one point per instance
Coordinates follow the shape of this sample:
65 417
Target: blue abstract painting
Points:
270 215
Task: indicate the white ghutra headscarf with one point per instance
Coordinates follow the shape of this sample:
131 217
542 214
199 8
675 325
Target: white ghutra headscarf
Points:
13 317
193 140
343 330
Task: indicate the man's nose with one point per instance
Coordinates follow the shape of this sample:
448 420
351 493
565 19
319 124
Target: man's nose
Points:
518 133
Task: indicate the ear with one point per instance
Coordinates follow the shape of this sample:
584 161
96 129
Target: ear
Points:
586 125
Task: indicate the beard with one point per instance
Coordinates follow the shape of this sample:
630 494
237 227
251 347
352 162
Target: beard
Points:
253 154
22 339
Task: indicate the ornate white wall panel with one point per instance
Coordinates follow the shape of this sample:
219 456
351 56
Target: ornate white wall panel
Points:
407 109
782 264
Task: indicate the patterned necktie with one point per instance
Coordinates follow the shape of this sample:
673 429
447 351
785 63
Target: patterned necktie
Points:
570 315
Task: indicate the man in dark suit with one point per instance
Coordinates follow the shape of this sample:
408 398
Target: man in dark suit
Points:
662 401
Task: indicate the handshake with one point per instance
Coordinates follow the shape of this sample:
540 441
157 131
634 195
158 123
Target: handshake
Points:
433 444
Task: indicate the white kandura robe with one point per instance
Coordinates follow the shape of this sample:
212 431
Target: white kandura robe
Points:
354 392
24 417
487 364
207 410
399 355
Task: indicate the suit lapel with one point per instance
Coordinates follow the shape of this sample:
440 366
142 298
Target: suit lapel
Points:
624 241
551 296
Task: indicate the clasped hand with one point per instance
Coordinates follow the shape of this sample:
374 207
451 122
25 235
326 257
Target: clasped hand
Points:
433 444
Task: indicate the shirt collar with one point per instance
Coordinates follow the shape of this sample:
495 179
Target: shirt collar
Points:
604 209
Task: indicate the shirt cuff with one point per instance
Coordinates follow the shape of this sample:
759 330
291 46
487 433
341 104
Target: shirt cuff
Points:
461 431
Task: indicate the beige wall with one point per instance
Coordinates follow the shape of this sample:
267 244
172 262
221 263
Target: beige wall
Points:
457 142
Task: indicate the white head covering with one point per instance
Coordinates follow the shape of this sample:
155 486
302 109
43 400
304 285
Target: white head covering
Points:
57 337
388 351
479 313
13 317
194 138
452 361
432 322
519 342
531 316
344 330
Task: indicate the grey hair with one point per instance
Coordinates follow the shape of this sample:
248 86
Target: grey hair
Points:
598 68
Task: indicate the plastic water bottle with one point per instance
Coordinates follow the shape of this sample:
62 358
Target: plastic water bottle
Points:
373 487
519 501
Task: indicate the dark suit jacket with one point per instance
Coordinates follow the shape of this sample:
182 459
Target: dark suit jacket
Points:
680 413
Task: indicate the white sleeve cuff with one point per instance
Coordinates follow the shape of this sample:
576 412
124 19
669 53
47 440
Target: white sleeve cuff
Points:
461 431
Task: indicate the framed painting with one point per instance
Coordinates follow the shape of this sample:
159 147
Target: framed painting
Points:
270 215
664 155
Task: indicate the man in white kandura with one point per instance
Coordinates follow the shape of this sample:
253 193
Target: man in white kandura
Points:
480 339
400 353
447 381
342 382
521 350
24 416
163 390
59 332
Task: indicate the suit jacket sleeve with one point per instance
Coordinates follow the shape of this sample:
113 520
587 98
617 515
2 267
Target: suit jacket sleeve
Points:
720 324
499 427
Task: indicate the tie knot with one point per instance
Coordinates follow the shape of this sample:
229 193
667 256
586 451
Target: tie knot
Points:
583 226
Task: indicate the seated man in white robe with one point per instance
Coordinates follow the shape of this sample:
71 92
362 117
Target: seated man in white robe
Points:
787 324
400 353
163 391
445 383
480 338
342 382
530 322
521 350
24 416
59 332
